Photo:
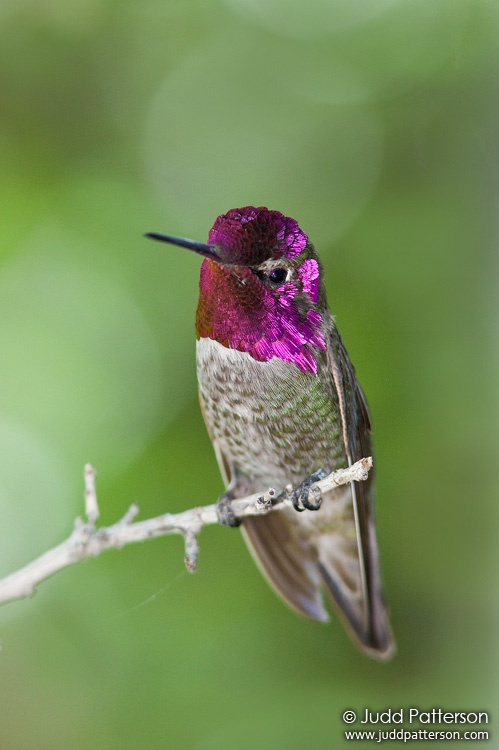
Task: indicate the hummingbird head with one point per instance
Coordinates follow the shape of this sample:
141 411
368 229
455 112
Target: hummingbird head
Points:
260 287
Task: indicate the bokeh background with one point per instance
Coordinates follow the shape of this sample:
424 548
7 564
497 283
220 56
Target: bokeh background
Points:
374 123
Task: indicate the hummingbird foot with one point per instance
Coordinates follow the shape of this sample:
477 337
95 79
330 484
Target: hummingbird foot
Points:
299 496
226 515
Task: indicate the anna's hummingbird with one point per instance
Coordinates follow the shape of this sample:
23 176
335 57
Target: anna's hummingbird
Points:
281 401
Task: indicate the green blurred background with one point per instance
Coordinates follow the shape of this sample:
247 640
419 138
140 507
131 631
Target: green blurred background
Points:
372 122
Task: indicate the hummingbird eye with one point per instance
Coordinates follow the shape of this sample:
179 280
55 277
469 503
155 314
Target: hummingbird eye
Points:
278 275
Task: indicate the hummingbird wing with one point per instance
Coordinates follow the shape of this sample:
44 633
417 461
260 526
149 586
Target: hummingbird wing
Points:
287 561
361 605
336 548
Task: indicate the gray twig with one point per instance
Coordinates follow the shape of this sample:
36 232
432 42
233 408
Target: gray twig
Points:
87 540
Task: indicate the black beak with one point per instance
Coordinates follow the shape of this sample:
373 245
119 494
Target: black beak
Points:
208 251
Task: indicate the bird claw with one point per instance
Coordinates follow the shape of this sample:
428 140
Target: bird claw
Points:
226 515
299 496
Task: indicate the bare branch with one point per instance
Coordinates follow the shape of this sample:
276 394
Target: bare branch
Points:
87 540
91 505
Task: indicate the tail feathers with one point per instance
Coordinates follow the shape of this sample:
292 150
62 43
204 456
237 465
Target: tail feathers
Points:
361 607
299 571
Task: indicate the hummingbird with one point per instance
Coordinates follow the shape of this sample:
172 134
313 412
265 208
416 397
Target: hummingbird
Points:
282 406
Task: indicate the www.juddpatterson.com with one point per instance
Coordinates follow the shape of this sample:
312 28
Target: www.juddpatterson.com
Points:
409 735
